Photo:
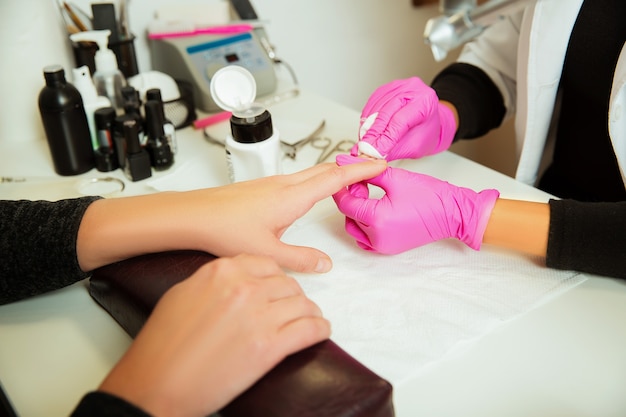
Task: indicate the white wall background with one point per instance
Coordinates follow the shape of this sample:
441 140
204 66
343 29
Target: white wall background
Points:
342 49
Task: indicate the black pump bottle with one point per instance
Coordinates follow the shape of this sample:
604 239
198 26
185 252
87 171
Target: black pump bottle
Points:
65 124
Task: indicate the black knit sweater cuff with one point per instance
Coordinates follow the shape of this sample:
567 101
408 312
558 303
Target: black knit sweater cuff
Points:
477 99
101 404
587 237
39 243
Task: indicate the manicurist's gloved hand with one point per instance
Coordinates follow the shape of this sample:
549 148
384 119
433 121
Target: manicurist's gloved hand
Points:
404 119
416 209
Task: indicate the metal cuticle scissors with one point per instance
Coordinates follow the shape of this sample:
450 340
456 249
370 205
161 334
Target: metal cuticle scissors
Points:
343 146
291 150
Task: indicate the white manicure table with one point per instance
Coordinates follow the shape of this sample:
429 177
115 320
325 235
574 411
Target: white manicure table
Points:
563 358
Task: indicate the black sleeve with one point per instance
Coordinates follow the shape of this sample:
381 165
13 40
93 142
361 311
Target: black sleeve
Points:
477 99
38 246
588 237
100 404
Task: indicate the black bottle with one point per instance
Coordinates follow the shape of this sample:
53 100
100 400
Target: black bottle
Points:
132 108
158 146
105 156
65 123
168 126
137 163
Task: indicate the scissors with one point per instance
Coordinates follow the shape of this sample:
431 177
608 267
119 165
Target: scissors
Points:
290 150
325 143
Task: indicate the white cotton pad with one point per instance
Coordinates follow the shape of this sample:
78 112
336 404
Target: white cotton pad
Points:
364 147
366 124
368 150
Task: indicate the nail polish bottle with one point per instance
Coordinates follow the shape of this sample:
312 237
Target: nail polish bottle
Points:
157 145
137 162
132 108
119 141
105 155
168 126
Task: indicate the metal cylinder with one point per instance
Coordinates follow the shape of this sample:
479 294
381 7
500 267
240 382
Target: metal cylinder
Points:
450 7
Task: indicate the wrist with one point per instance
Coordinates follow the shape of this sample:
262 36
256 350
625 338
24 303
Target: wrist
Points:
476 209
519 225
449 122
120 228
454 112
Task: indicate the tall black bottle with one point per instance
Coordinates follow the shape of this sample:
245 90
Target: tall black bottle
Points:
65 123
161 155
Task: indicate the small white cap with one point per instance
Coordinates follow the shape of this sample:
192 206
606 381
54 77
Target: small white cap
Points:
233 89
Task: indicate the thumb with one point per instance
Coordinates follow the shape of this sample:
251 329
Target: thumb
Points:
302 258
396 182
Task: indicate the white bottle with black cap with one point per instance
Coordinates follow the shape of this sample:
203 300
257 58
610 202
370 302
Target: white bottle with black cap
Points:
253 146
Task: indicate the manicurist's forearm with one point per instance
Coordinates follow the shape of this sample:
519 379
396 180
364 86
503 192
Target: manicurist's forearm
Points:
519 225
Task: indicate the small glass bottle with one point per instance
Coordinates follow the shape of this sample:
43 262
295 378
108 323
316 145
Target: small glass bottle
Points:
107 78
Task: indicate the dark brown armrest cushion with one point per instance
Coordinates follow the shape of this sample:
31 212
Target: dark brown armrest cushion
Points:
321 381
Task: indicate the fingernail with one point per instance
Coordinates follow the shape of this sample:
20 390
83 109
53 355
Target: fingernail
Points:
323 265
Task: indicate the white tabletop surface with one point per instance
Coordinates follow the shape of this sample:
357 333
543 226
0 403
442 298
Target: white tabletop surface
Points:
564 358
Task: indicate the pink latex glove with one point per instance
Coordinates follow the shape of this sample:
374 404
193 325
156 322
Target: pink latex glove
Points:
403 119
416 209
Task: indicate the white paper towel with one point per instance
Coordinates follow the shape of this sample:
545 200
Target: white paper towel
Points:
396 314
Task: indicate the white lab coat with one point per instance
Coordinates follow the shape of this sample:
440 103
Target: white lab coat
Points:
524 56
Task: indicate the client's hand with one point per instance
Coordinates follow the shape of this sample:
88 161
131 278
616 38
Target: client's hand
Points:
415 210
251 216
213 335
404 119
244 217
